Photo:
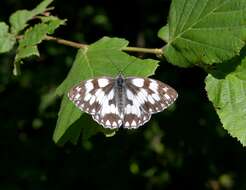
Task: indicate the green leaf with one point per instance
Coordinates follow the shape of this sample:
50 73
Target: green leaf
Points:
67 116
228 94
163 33
35 35
54 23
7 40
47 100
32 37
204 31
26 51
103 58
23 53
19 19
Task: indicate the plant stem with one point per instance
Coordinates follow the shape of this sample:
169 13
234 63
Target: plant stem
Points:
66 42
156 51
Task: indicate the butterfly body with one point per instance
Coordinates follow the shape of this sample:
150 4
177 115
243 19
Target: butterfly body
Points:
122 102
120 91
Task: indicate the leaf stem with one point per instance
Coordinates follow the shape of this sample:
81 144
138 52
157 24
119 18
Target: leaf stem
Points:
156 51
66 42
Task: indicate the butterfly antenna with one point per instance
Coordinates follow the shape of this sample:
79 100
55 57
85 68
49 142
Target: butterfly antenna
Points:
116 66
129 64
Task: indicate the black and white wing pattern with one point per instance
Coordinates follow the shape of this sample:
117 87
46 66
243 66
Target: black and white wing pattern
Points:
144 97
97 97
127 102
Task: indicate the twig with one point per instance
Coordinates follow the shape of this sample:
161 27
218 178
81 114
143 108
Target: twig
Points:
156 51
66 42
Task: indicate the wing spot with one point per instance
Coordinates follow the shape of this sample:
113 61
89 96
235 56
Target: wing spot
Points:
151 100
103 82
138 82
78 88
167 96
165 89
100 95
134 123
87 97
150 109
77 96
153 85
92 100
108 122
156 97
128 109
113 109
140 97
114 124
121 115
129 94
89 86
111 95
127 124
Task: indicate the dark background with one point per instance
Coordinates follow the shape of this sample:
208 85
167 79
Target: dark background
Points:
184 147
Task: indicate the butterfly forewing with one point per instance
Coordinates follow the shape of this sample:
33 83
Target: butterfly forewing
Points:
97 97
145 97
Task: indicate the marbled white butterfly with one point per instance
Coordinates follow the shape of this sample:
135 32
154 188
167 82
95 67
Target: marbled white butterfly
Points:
122 102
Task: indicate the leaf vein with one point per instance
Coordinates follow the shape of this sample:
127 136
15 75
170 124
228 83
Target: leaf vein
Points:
205 44
209 13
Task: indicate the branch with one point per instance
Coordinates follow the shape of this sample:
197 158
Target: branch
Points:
156 51
66 42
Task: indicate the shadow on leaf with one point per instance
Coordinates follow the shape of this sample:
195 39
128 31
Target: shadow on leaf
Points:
221 70
84 128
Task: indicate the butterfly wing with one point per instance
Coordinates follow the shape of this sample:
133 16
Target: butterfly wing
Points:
97 97
144 97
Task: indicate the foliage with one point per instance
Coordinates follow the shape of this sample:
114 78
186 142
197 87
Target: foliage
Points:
204 32
7 40
228 96
209 32
197 33
182 147
91 62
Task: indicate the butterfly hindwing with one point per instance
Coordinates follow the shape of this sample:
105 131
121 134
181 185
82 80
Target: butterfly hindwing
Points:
109 115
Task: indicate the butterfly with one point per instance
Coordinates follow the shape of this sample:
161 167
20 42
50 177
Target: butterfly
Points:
122 102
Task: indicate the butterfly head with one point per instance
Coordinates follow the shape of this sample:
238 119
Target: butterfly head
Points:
120 79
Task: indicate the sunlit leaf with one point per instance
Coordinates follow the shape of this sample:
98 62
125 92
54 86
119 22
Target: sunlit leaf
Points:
7 40
204 31
163 33
103 58
19 19
32 37
228 95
